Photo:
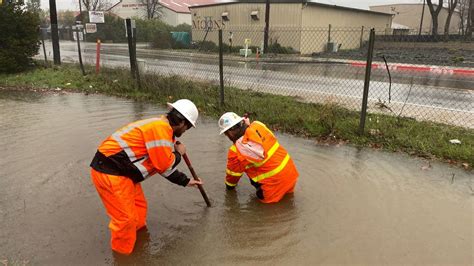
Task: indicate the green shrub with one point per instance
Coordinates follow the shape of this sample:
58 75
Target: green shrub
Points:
162 39
207 46
457 59
19 38
276 48
183 27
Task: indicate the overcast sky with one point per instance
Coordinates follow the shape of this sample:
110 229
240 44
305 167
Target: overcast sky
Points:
363 4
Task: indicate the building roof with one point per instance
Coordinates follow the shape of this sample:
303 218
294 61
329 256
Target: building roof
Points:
399 26
178 6
182 6
307 2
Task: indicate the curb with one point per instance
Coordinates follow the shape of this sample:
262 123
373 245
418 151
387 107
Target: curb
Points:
420 68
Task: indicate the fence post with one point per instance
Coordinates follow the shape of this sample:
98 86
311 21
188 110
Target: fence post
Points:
368 69
329 35
221 70
130 46
44 47
97 57
137 70
79 28
361 37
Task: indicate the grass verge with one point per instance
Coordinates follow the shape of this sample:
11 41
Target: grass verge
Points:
325 122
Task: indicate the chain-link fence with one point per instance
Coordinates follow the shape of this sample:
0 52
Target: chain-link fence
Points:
418 77
412 75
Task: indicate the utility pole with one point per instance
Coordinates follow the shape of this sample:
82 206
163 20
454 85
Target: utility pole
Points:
80 10
81 18
267 26
54 31
422 15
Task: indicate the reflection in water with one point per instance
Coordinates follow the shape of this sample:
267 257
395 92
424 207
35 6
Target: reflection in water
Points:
350 206
255 232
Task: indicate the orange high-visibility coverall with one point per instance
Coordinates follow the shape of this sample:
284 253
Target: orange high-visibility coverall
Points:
273 173
124 159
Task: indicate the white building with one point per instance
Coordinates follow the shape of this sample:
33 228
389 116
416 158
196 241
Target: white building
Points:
173 12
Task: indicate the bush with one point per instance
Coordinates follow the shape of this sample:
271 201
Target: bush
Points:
162 39
276 48
207 46
147 29
183 27
19 38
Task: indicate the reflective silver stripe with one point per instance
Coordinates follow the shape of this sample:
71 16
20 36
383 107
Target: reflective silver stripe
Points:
159 143
141 168
131 155
170 170
135 125
117 136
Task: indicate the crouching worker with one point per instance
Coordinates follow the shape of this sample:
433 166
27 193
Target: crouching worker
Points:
131 155
257 153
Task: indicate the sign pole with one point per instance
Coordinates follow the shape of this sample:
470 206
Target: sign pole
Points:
78 28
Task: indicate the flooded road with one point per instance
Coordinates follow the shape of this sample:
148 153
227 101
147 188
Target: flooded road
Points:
350 206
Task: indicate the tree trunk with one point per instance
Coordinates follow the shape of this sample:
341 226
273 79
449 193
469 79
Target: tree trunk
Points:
452 7
470 20
462 12
434 15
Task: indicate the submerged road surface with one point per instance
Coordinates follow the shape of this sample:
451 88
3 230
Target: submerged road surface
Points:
350 206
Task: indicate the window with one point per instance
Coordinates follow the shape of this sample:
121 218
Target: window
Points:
225 16
254 15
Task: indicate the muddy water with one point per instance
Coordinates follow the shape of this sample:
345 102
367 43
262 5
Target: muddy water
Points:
350 206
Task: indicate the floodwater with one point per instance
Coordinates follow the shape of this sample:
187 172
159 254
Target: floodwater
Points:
350 206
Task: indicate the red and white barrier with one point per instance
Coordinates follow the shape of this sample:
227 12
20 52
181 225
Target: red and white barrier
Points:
421 68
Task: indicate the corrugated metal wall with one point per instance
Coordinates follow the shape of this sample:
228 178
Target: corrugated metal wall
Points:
303 28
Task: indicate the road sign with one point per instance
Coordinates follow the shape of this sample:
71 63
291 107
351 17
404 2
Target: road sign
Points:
81 36
132 23
91 28
247 41
96 17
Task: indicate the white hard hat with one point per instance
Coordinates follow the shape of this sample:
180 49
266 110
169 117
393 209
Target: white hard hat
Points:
228 120
187 109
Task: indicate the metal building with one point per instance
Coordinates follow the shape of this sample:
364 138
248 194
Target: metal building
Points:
291 22
409 15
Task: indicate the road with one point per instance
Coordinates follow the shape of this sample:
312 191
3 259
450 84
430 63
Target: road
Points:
447 99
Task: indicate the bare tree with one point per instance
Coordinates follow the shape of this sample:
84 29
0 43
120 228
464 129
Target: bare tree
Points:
463 12
470 20
452 4
434 15
96 5
153 8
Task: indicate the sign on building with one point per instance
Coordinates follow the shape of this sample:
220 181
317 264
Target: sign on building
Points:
96 17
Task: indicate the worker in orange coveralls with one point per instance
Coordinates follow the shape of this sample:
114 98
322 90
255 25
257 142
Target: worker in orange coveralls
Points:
132 154
257 153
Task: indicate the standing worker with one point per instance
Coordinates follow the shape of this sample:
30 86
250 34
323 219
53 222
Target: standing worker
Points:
257 153
132 154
